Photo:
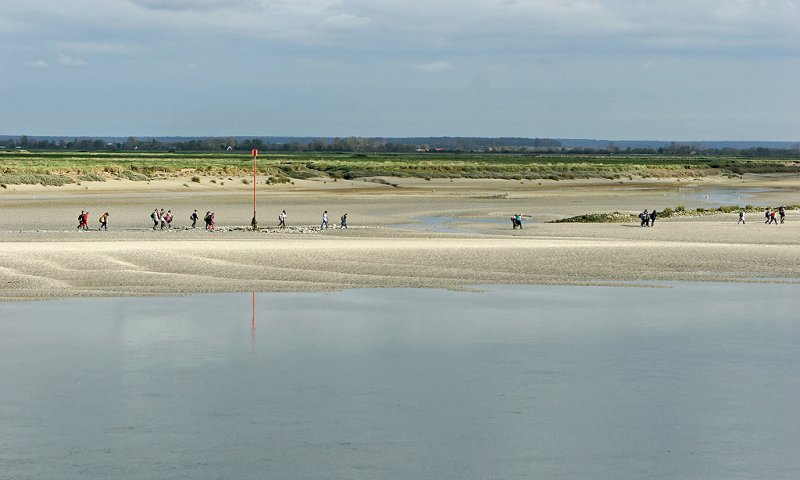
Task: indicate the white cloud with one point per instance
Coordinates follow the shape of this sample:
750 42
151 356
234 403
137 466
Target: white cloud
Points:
488 25
70 61
37 64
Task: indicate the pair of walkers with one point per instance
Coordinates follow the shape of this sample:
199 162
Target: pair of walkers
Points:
648 219
326 221
209 218
83 220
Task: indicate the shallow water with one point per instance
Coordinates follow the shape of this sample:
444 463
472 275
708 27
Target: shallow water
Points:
693 381
445 224
719 197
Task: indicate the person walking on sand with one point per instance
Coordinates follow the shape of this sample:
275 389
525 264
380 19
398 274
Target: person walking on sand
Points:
207 219
80 221
168 218
518 220
282 219
325 223
741 217
212 223
86 220
156 218
772 217
653 216
766 216
162 215
193 217
103 222
344 221
782 213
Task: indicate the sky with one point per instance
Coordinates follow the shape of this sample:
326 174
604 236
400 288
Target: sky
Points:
602 69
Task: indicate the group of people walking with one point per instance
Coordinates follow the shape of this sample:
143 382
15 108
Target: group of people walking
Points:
772 216
162 218
83 221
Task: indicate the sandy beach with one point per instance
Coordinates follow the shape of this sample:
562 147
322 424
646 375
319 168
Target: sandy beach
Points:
403 233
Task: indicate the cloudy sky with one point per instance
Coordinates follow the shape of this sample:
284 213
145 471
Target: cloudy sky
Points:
610 69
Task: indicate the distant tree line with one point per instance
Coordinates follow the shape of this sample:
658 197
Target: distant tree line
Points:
507 145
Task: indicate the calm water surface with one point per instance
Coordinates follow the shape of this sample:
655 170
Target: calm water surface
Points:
688 382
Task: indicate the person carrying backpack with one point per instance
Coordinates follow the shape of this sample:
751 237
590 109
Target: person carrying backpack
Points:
103 221
344 221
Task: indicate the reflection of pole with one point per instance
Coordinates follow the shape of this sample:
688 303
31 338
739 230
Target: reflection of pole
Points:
254 316
254 223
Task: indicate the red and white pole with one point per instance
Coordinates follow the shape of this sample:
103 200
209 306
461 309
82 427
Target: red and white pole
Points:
254 223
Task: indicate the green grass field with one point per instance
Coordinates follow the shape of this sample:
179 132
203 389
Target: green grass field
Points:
58 168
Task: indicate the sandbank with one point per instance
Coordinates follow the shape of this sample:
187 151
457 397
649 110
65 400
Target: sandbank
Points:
43 256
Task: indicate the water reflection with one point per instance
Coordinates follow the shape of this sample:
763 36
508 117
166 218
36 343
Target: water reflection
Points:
695 381
253 325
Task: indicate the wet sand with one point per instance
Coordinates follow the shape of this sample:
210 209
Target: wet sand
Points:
43 256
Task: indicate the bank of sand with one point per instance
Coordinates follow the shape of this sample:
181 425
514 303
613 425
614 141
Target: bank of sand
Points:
43 256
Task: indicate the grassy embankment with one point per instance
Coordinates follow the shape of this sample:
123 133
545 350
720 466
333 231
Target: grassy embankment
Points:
59 168
621 217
